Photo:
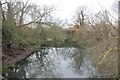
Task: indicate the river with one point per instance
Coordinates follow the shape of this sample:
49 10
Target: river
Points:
55 63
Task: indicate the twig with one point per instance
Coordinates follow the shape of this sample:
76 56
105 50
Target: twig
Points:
23 48
99 44
8 59
105 55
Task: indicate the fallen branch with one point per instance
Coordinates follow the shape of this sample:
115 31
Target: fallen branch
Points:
99 44
105 55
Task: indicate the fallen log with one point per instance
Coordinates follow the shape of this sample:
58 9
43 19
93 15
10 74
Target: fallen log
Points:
23 55
18 56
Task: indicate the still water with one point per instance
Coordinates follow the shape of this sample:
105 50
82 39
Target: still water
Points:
55 63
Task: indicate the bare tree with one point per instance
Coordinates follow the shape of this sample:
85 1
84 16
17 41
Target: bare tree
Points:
115 6
81 16
20 10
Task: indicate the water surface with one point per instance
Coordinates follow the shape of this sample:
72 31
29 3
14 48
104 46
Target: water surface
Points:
55 63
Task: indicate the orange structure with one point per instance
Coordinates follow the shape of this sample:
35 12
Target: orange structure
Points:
74 29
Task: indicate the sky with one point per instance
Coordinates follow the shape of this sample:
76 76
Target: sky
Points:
65 9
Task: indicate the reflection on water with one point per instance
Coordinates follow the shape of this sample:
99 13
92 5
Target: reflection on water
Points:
55 63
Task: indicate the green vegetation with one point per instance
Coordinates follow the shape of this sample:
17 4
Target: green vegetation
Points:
18 36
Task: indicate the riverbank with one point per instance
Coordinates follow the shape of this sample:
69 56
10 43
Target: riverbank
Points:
104 55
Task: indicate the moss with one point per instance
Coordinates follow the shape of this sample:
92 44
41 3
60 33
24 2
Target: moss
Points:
7 67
